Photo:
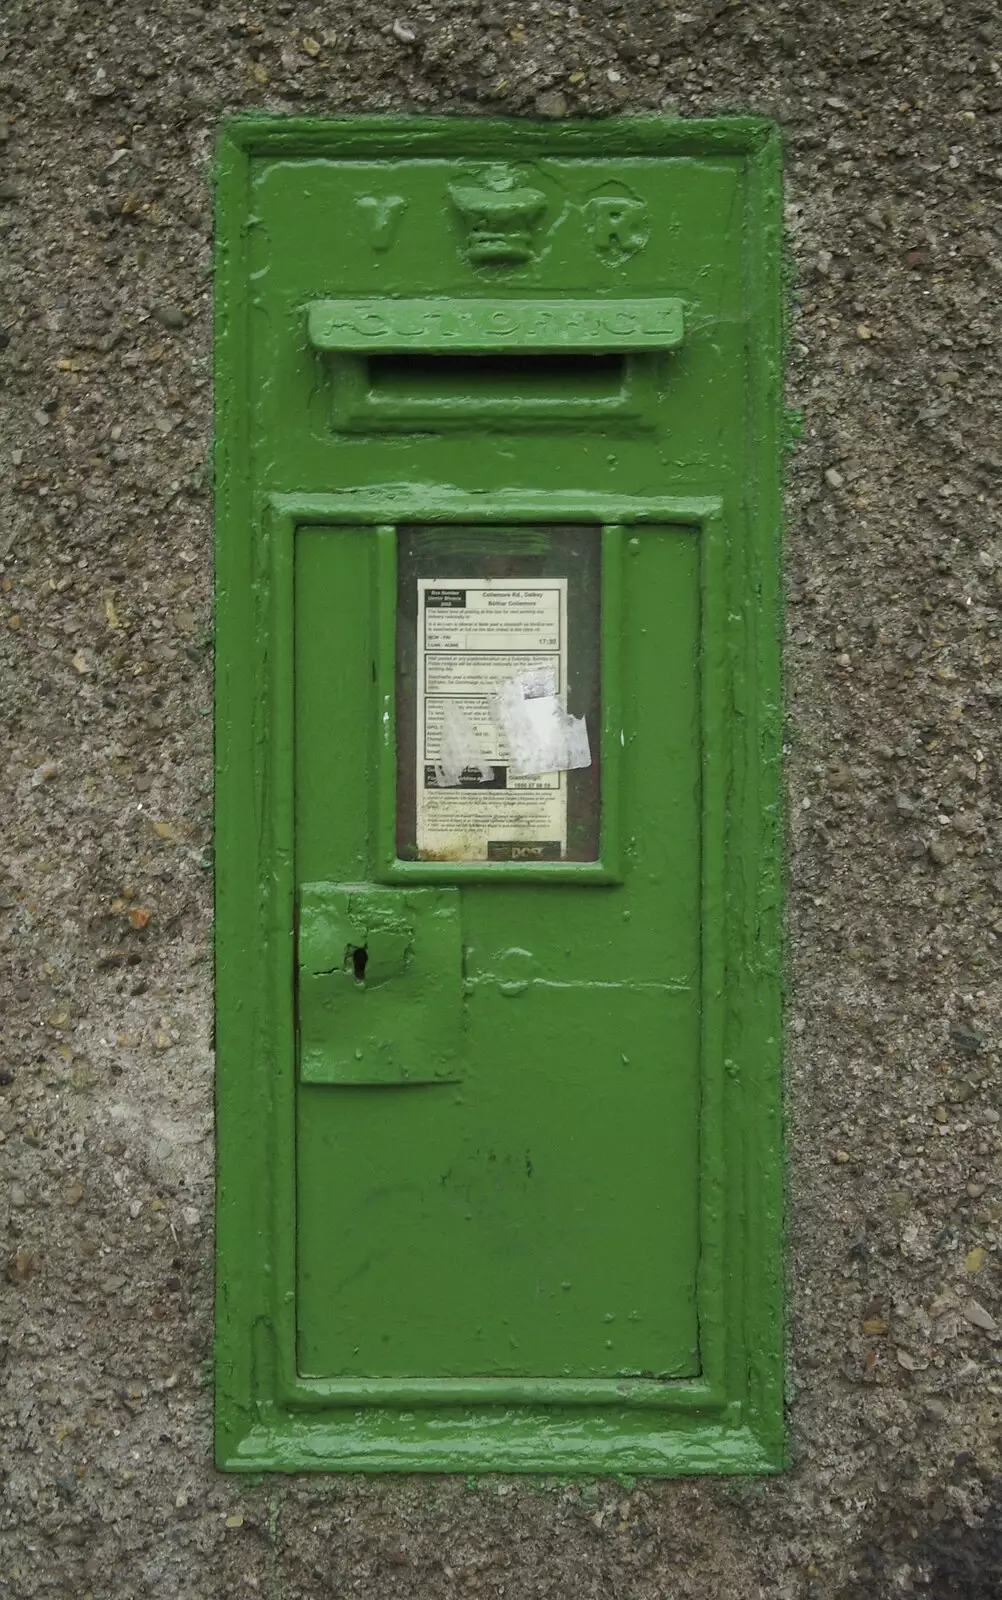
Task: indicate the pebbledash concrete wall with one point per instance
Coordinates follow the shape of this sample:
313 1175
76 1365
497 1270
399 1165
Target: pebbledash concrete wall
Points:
894 787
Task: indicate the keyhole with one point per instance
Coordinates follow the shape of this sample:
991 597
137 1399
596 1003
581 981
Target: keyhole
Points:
358 955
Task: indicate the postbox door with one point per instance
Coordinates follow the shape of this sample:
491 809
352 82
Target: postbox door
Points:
497 1103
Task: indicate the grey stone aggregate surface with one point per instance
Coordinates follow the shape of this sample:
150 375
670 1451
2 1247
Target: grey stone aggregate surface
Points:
894 681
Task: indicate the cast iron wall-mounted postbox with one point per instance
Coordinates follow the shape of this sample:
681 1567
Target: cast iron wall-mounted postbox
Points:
498 718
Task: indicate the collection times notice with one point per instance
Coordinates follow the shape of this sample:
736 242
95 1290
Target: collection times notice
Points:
480 643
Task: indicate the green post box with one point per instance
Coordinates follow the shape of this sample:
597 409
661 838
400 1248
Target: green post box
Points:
498 925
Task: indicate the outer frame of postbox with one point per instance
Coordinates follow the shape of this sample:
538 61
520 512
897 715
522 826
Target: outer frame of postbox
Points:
730 1419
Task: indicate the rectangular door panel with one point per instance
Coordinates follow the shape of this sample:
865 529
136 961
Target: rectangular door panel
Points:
539 1217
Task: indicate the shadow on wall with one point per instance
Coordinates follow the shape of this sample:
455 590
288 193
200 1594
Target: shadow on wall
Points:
931 1550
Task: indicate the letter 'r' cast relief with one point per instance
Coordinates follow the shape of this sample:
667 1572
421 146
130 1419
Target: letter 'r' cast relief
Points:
619 224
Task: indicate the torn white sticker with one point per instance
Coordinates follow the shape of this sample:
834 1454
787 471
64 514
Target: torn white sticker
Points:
459 750
540 734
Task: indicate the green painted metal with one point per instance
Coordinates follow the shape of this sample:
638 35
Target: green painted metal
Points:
499 1141
379 985
503 1227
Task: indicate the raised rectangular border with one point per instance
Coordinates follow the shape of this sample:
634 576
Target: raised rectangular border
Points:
500 508
731 1419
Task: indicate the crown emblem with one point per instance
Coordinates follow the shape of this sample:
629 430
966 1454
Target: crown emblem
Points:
500 213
